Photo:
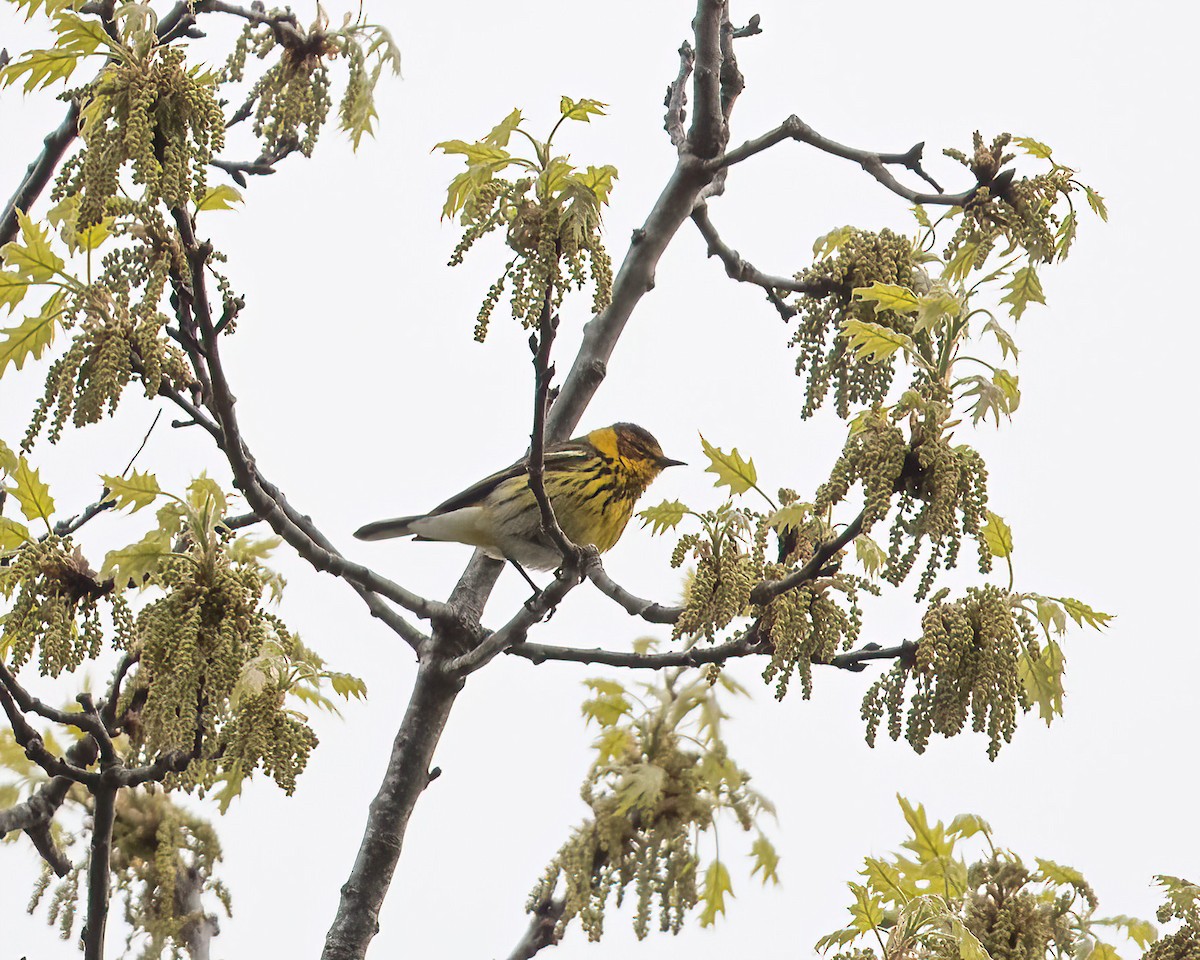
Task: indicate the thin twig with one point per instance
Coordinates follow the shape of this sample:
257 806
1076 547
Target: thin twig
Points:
768 590
266 500
676 98
39 173
648 610
541 931
876 164
745 272
535 462
853 660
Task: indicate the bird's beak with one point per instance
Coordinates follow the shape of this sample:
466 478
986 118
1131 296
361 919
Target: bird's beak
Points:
664 462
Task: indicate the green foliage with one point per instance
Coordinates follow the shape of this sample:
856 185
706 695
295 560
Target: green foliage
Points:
1182 904
932 901
117 328
857 260
662 777
551 214
214 670
77 38
291 100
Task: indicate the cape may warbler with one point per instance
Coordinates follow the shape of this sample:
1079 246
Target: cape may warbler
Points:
592 482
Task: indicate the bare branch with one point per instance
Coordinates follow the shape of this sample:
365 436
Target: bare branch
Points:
31 740
541 931
408 774
744 646
745 272
751 29
103 814
648 610
39 173
517 629
676 98
876 164
535 462
266 500
709 132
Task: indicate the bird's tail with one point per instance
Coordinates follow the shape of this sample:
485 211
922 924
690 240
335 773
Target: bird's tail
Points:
386 529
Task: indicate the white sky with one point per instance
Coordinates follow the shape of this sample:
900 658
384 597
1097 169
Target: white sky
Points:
356 372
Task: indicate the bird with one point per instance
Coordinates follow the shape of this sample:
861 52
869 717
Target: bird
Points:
592 481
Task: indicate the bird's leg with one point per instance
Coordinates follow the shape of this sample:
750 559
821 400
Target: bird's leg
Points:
537 591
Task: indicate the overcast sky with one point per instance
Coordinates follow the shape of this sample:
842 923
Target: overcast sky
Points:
363 395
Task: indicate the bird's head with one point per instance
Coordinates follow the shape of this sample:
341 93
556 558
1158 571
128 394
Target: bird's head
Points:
635 447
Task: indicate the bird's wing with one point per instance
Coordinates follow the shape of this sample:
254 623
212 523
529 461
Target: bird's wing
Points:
559 454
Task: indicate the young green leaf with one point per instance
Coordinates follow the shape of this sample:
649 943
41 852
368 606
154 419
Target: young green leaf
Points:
499 135
870 555
1033 147
933 306
613 743
606 709
1096 202
716 885
222 197
998 535
791 517
731 470
1141 932
995 396
889 296
33 336
1024 288
32 494
138 490
929 841
968 824
8 460
31 256
765 859
922 217
823 246
873 342
1003 337
1082 614
640 787
131 565
13 534
13 287
1042 679
962 263
347 686
666 516
581 109
1050 614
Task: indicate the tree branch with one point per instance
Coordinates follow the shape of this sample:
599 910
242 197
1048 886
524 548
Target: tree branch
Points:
853 660
745 272
709 131
540 934
266 500
676 98
103 815
535 462
517 629
407 776
39 173
648 610
768 590
876 164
